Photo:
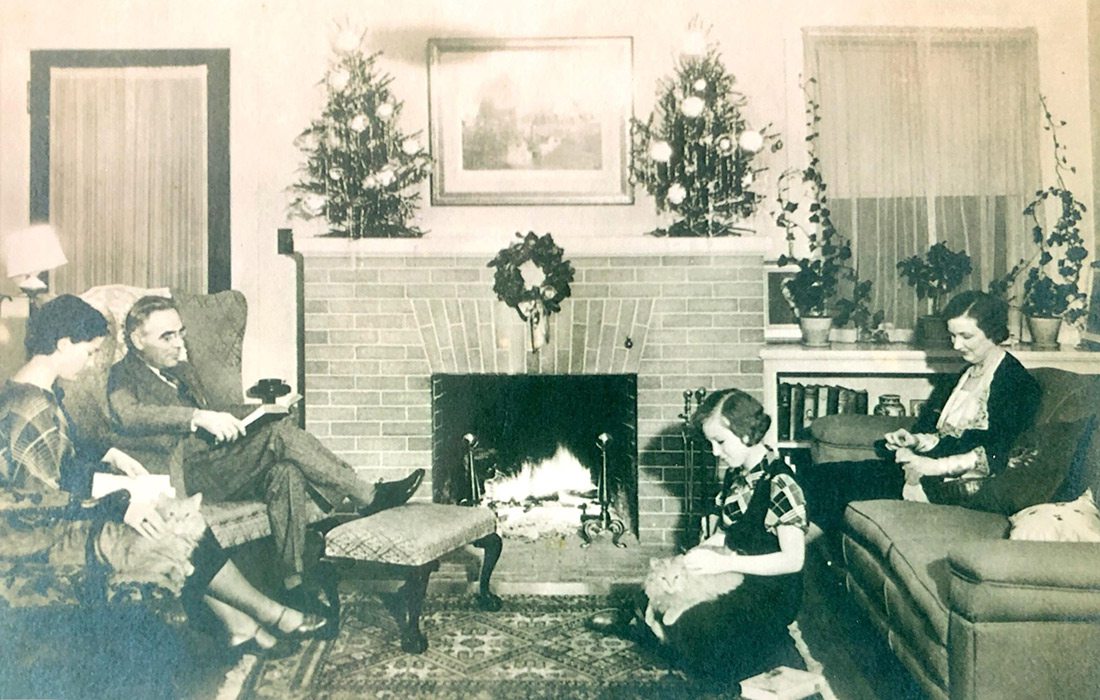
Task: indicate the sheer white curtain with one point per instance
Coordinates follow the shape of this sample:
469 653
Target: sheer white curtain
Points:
128 180
925 136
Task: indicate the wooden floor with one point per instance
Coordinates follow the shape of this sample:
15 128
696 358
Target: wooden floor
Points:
857 661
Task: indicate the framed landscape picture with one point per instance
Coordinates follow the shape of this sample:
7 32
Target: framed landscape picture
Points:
530 121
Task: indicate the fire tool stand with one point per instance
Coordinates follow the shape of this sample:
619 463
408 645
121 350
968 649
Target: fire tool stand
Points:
592 525
691 404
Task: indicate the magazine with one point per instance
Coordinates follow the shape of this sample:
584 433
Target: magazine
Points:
782 683
147 487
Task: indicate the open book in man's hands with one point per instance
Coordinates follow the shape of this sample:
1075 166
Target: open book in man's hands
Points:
268 412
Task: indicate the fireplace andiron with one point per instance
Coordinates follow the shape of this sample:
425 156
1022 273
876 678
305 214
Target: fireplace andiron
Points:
474 498
592 525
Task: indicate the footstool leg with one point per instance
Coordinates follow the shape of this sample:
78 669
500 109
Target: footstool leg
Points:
413 640
492 544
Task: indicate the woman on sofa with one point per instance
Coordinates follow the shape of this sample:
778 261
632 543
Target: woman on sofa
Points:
965 439
44 462
723 634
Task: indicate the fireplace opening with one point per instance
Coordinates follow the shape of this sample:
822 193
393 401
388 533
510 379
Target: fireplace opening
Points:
544 451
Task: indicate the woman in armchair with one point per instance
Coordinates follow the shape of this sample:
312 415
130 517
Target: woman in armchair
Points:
44 462
965 439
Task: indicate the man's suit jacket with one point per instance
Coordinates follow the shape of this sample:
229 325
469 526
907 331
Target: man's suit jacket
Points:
151 417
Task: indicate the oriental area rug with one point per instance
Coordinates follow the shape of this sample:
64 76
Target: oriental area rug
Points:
536 647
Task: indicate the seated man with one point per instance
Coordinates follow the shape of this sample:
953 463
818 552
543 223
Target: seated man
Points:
157 396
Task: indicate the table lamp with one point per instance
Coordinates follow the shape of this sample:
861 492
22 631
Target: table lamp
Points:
29 252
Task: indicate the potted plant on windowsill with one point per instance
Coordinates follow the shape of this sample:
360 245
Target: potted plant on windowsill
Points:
934 276
1051 290
826 290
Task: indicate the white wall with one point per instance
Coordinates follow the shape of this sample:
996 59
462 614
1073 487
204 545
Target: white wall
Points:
279 51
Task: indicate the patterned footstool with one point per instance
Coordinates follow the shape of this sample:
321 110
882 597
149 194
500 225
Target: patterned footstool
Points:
409 540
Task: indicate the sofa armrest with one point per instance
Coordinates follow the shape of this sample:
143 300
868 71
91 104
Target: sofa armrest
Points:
1006 580
850 438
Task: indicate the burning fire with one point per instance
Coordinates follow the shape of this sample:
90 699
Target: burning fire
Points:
543 498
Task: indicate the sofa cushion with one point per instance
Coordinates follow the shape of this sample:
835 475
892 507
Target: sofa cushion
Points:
1072 521
912 539
881 523
851 438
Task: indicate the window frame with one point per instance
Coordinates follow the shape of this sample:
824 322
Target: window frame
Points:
219 260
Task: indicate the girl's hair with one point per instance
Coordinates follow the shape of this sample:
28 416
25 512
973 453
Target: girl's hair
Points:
65 316
988 311
743 414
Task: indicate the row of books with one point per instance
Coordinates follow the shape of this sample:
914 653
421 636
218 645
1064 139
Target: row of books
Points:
800 404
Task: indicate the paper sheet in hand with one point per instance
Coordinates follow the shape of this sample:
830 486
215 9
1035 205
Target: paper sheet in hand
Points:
142 488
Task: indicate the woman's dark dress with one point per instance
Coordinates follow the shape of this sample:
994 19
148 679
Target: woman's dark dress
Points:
744 632
1013 401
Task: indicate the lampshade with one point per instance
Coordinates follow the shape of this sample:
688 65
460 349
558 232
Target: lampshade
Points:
32 250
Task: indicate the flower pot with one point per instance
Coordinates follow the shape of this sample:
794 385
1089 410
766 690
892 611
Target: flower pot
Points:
844 335
815 330
1044 332
931 332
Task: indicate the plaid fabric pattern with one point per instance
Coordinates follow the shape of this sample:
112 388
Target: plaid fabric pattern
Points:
34 438
787 506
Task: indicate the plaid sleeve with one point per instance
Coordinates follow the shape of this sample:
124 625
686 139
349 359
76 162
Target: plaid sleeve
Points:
32 445
788 505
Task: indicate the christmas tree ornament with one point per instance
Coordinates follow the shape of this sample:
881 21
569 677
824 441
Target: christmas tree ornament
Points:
696 153
361 170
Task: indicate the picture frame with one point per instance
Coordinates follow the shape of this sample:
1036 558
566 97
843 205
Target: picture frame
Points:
1090 337
780 322
530 121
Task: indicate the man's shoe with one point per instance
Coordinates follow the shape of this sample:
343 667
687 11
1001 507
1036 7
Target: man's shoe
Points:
389 494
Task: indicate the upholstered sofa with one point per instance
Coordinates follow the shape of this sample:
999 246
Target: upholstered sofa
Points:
971 613
215 325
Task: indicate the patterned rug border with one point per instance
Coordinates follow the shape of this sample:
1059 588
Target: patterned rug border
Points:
539 638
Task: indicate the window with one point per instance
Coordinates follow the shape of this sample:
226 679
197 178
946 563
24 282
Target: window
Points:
130 162
927 135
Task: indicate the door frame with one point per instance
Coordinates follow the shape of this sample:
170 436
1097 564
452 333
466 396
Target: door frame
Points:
219 263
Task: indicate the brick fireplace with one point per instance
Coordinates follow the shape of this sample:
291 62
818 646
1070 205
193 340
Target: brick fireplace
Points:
379 326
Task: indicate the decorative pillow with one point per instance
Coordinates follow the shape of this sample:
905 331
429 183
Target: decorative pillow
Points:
1075 521
1040 460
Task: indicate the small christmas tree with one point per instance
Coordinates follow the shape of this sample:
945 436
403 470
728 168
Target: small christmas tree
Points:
360 168
695 154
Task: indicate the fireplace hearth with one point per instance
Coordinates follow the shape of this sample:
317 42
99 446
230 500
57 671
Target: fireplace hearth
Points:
551 454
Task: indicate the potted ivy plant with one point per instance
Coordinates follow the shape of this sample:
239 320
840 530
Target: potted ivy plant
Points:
1052 292
825 290
935 275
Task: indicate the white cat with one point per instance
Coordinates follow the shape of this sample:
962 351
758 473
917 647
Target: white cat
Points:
165 561
672 589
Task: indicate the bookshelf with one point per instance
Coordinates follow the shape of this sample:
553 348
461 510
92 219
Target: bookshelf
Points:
892 368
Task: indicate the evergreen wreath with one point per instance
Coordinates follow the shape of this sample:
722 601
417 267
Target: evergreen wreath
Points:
532 270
